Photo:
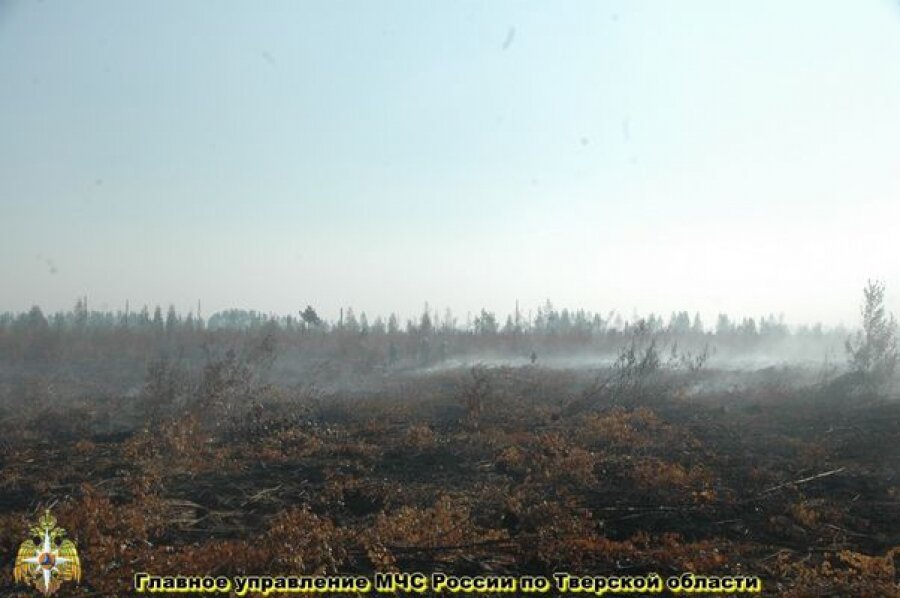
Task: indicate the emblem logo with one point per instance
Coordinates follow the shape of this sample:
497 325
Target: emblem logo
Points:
48 558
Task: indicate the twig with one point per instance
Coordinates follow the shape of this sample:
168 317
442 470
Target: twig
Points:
803 481
587 398
850 533
259 495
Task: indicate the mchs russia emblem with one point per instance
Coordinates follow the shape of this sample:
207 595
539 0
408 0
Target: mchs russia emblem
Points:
48 558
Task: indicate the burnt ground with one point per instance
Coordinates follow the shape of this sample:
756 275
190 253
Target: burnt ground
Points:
518 471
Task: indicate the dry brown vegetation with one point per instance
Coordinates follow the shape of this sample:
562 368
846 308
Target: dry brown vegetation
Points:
488 470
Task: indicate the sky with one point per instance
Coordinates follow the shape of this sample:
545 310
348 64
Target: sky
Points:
643 156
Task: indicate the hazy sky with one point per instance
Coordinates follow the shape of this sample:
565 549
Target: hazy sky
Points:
649 156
